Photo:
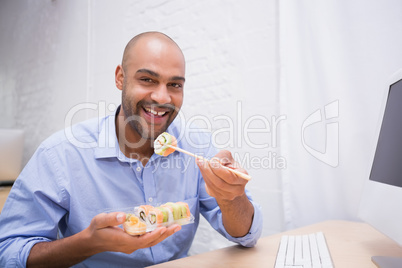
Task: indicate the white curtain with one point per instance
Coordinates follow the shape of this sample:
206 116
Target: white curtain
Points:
336 57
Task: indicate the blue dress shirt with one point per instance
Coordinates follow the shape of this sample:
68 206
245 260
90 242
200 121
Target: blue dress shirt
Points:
81 172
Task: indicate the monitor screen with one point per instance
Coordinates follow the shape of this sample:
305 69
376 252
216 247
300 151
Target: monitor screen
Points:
381 198
387 167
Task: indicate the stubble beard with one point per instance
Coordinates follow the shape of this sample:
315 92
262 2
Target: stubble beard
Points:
138 124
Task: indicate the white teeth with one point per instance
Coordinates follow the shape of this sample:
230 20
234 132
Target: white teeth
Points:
154 112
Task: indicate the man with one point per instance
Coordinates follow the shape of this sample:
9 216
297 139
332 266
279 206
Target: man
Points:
56 212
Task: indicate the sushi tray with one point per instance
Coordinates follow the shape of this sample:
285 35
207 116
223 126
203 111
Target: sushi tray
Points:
146 218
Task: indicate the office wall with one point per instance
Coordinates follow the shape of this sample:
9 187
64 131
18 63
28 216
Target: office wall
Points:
59 55
336 60
43 66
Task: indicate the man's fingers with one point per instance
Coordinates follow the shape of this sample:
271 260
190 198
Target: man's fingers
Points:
158 235
104 220
211 179
170 231
219 181
226 174
224 156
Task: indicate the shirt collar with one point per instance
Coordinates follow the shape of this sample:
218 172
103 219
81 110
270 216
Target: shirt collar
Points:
107 140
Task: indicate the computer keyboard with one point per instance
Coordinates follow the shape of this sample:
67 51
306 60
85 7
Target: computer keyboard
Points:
303 251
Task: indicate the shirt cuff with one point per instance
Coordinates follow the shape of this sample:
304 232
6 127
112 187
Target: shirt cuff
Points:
26 249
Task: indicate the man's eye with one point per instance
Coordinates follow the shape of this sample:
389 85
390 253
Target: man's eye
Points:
148 80
176 85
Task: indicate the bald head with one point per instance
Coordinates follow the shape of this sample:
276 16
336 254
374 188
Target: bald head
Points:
129 51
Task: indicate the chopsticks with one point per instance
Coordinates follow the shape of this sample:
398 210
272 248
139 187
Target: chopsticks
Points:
238 173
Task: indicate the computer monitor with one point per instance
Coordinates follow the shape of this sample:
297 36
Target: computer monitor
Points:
11 151
381 202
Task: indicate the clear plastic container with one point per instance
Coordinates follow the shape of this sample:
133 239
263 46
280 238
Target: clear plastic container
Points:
146 218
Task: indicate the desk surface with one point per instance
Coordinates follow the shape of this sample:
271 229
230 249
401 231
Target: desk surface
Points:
352 244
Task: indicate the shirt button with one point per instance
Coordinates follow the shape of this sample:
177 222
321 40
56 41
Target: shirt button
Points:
138 169
150 199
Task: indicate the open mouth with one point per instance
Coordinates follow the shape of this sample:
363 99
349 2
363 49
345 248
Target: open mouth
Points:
156 113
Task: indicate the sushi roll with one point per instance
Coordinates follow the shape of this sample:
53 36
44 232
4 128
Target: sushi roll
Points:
185 210
179 210
167 215
143 211
146 218
160 144
134 226
156 216
175 210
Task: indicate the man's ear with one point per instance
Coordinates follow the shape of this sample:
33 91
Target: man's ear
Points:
119 77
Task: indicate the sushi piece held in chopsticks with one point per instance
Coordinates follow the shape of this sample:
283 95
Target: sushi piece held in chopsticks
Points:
166 144
162 143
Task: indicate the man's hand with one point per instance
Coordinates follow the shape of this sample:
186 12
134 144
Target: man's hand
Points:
101 235
105 236
229 192
221 183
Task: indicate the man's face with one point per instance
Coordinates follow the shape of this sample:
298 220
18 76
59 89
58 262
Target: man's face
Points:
152 86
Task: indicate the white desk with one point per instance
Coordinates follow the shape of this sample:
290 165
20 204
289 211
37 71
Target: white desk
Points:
351 245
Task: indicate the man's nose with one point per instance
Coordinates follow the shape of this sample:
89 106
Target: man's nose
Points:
161 95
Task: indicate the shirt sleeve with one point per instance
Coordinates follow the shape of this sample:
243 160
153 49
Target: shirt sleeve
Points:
32 210
210 210
250 239
212 213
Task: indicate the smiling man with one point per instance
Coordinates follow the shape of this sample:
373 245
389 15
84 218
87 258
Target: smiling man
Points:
66 206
